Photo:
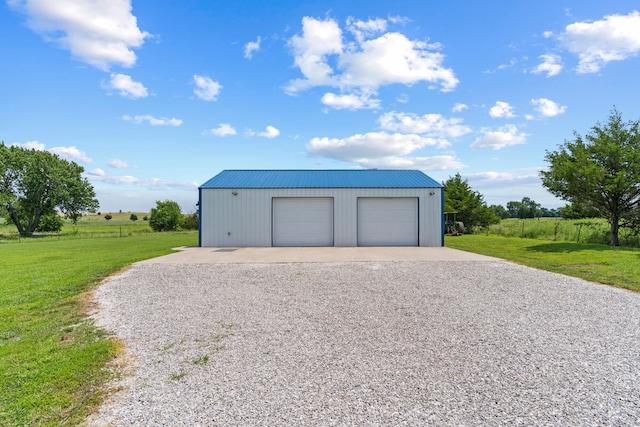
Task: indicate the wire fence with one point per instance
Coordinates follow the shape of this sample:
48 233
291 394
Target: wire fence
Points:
558 229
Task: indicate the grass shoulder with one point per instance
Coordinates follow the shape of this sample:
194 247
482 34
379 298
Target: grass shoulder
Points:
616 266
52 356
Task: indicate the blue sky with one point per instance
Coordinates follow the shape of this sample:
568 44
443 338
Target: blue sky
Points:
154 97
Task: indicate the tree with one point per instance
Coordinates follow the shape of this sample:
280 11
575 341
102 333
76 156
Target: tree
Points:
549 213
469 205
515 209
527 208
500 211
191 221
573 211
166 216
36 183
599 172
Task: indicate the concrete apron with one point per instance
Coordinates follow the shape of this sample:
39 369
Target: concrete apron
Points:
197 255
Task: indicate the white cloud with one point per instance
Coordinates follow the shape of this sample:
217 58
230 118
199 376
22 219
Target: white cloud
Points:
393 58
382 150
399 19
614 38
350 101
270 132
503 187
505 136
32 145
403 98
425 163
206 88
500 67
101 33
512 183
501 110
362 65
153 121
224 129
68 153
96 172
365 29
120 164
551 64
154 184
71 153
126 86
363 147
547 108
252 47
459 107
433 125
310 50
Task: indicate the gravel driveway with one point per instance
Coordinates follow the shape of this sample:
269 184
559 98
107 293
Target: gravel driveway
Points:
370 343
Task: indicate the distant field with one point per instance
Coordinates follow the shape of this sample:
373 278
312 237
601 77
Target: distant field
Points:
595 262
90 225
52 358
592 230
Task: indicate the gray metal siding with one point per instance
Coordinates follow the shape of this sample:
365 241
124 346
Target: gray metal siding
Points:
245 219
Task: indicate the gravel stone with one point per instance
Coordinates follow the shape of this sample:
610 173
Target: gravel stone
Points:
369 343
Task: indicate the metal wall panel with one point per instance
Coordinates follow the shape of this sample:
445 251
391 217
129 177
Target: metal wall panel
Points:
243 217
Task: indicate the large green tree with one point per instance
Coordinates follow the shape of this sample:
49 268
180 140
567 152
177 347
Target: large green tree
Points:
166 216
35 184
599 172
527 208
469 205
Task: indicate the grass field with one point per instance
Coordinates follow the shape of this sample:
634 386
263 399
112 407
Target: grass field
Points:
616 266
90 225
592 230
52 358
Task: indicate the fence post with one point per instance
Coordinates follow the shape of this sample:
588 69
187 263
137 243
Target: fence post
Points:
579 229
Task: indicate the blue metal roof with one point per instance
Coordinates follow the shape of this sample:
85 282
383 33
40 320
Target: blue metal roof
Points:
362 178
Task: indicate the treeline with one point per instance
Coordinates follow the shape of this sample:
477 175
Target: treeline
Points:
598 175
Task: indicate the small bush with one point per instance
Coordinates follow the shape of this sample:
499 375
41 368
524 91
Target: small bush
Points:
108 217
190 222
133 217
51 223
166 216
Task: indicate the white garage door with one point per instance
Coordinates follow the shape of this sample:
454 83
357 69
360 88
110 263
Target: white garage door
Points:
302 222
388 222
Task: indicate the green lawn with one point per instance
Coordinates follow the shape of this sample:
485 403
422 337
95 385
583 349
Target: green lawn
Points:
617 266
89 226
52 358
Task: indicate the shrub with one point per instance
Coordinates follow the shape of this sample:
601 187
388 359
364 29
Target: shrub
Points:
190 221
108 217
166 216
133 217
50 223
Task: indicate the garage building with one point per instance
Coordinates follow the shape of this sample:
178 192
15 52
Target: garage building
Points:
249 208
